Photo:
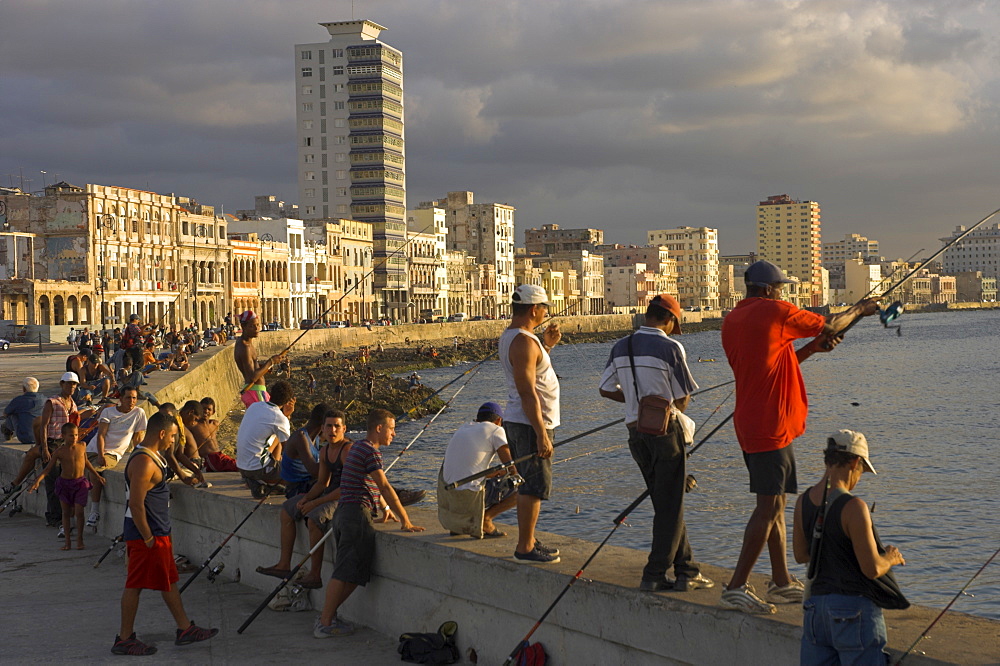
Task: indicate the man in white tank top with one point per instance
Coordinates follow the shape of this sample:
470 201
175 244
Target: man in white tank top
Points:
532 412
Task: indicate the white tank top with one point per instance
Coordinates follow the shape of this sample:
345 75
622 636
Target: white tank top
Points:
546 382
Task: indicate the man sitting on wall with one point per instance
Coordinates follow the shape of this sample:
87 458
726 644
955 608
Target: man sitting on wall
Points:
261 436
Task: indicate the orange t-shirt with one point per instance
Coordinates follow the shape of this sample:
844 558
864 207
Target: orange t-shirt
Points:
771 404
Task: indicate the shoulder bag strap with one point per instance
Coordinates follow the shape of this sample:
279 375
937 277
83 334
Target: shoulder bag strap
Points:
631 360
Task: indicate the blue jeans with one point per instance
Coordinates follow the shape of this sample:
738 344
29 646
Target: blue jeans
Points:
842 629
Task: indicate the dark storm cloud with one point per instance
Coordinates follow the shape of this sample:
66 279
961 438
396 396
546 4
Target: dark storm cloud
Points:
624 115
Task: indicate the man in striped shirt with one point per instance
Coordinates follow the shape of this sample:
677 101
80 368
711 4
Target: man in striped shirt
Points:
364 489
649 362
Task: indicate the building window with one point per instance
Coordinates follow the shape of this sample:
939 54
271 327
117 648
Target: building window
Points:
307 106
341 208
307 124
307 71
341 191
307 90
307 141
338 69
340 139
310 192
310 175
338 122
341 174
340 157
338 53
307 55
310 210
339 106
338 87
309 159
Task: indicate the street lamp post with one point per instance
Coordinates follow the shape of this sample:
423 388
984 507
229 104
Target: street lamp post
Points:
107 223
263 238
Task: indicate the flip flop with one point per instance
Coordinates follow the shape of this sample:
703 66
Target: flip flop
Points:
273 571
495 534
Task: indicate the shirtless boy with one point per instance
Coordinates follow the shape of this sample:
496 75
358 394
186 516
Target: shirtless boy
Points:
204 431
72 485
245 353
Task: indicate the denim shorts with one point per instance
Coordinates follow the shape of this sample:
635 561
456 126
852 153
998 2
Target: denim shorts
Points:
537 472
842 629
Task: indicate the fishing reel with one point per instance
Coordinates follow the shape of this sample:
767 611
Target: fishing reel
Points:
891 314
515 479
214 572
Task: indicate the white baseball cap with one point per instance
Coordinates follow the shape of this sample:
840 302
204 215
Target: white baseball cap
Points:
850 441
529 294
70 377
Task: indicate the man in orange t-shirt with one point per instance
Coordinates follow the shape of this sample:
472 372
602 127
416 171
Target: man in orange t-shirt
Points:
771 409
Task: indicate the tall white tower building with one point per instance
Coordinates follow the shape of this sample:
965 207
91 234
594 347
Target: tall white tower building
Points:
351 157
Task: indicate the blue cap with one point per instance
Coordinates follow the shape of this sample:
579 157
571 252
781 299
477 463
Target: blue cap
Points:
763 273
490 409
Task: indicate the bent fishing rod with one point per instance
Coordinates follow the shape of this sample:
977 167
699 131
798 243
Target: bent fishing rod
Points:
512 657
503 467
204 565
284 581
430 421
263 371
923 634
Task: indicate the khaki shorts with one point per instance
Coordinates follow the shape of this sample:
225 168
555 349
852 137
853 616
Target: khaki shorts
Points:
101 463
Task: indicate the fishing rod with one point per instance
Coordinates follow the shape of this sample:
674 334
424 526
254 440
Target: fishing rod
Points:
429 422
319 317
204 565
284 581
709 417
117 540
923 634
502 467
618 521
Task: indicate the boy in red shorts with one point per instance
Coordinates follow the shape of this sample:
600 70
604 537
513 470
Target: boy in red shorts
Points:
147 535
71 486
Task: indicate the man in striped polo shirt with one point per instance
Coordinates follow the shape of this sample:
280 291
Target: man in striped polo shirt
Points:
364 489
648 362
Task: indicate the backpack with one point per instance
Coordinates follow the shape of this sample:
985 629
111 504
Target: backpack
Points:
436 648
292 597
531 655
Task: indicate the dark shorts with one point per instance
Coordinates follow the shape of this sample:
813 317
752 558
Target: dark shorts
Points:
772 472
323 514
537 472
352 528
73 491
289 506
497 490
267 474
151 568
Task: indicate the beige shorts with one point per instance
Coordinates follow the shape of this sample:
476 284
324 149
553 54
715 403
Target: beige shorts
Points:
101 463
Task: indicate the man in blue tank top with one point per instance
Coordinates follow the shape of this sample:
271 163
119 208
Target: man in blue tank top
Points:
147 537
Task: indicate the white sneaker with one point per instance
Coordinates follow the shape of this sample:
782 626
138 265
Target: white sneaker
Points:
92 521
744 599
786 594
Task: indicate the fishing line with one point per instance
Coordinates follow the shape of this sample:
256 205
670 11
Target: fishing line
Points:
923 634
432 419
315 321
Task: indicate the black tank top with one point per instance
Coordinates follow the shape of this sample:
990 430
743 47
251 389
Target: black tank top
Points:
336 467
839 571
156 503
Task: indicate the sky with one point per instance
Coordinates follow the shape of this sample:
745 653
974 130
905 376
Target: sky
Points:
625 115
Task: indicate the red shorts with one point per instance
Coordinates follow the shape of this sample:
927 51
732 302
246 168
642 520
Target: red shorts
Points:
151 568
220 462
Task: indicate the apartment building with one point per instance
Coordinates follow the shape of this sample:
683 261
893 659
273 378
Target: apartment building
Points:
428 275
979 251
351 144
696 250
788 235
551 239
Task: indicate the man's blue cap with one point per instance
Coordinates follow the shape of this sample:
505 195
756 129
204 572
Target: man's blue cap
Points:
762 273
490 409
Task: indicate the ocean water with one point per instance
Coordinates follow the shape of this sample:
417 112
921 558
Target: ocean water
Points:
927 402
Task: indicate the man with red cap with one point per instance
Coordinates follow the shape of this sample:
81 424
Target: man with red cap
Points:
650 363
771 410
245 354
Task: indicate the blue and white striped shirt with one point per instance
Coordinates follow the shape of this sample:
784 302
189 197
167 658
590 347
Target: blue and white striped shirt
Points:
660 367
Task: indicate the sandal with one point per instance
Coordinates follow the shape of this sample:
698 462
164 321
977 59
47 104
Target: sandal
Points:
273 571
495 534
132 647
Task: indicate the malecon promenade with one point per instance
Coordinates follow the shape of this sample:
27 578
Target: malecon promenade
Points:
421 580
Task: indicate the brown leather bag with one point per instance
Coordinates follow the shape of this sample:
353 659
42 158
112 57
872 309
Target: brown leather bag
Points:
654 410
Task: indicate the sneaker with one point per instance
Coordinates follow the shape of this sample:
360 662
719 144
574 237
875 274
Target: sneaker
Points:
535 557
336 628
546 549
696 582
92 521
132 647
744 599
9 489
62 532
786 594
663 583
194 634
